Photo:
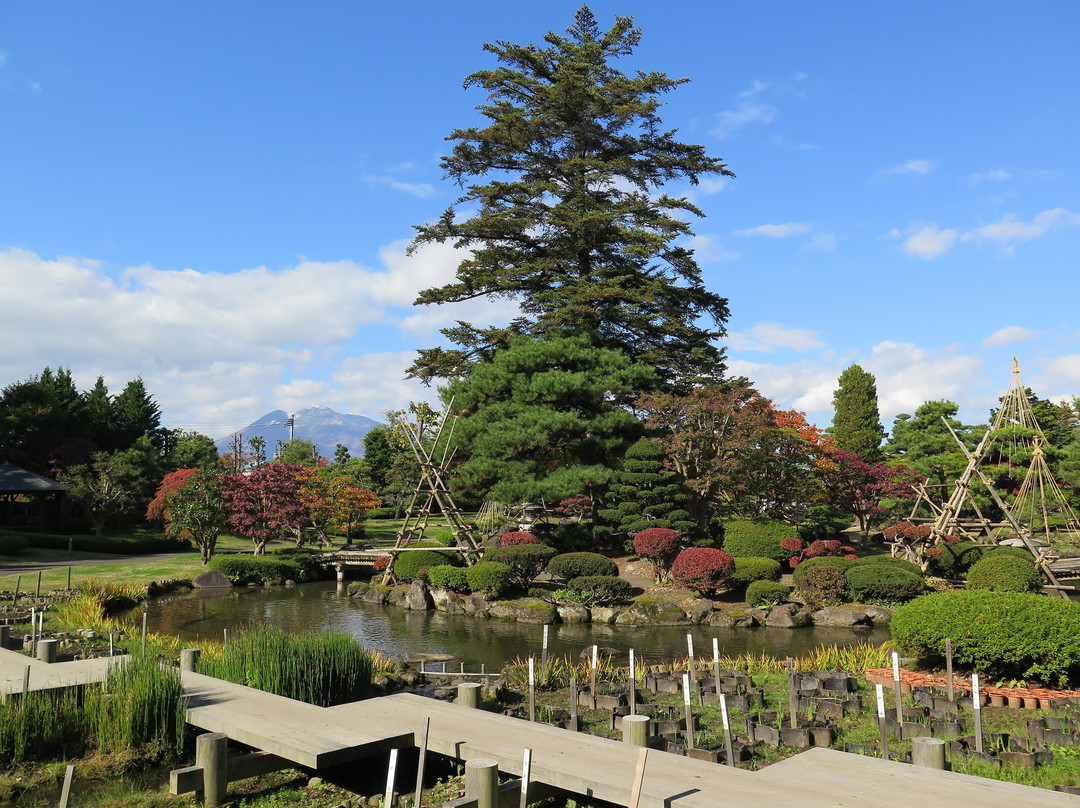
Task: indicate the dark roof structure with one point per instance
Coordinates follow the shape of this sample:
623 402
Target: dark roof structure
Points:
15 480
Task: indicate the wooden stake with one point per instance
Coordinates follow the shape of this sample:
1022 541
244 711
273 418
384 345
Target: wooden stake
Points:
633 685
419 794
69 579
144 616
793 696
716 665
727 731
881 721
573 704
948 667
65 793
976 703
15 598
689 711
532 689
896 685
37 594
639 777
544 650
526 769
388 799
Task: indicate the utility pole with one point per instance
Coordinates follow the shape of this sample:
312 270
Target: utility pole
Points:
292 423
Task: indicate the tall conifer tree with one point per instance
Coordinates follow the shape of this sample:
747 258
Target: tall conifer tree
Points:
856 423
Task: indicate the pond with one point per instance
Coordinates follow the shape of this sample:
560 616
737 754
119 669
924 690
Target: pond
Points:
400 633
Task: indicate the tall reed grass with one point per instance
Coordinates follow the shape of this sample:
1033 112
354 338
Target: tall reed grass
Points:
324 669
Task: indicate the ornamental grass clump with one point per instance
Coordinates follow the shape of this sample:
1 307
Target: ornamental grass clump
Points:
703 569
141 703
324 669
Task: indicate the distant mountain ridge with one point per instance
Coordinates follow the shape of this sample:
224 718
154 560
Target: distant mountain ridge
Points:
323 426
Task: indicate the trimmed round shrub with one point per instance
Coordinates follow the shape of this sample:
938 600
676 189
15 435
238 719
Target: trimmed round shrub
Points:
445 576
489 578
752 568
408 566
884 583
600 589
12 544
1006 635
381 513
526 561
252 569
889 561
516 537
759 538
955 559
766 593
824 586
576 565
836 562
658 544
703 569
1005 572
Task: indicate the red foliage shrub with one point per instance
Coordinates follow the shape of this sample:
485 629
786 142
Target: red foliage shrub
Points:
516 537
819 548
703 569
791 544
660 545
380 564
933 552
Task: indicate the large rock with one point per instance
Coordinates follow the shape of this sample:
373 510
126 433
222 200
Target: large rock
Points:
211 579
840 617
376 594
732 620
418 599
572 612
700 611
603 614
357 589
526 610
652 612
475 605
447 601
395 597
878 615
787 615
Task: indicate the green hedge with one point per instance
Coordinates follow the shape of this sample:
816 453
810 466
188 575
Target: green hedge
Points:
766 593
955 559
1005 572
884 583
752 568
139 543
410 564
445 576
1006 635
526 561
251 569
381 513
576 565
887 560
600 589
824 585
837 562
12 544
489 578
759 538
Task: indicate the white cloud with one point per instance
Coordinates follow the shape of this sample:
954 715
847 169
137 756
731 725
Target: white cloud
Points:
921 166
805 386
993 175
1012 229
713 185
929 242
730 121
418 189
908 376
755 88
707 250
1010 335
776 230
765 336
822 241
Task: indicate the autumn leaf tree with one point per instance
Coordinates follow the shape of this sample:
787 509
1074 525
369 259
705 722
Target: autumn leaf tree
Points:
859 488
563 185
195 510
264 504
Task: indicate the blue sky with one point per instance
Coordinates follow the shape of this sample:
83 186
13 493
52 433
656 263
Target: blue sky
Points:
217 196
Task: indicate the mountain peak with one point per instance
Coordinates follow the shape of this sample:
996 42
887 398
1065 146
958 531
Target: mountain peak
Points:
322 425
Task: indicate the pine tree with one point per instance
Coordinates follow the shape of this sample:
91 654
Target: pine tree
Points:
856 426
570 217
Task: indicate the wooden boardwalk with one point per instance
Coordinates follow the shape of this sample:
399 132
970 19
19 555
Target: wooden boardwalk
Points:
317 737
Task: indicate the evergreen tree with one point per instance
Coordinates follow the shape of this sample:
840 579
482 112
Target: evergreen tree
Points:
856 426
645 494
379 455
135 414
570 218
98 415
923 443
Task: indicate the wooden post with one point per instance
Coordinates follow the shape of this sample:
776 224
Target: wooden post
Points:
26 680
225 643
144 616
639 777
976 703
419 792
526 771
896 686
5 636
69 579
881 721
532 689
211 755
690 657
635 729
689 711
716 665
46 650
37 594
793 696
573 704
468 694
928 752
15 598
544 650
33 630
948 667
110 642
482 782
391 771
65 793
189 659
727 731
633 685
592 675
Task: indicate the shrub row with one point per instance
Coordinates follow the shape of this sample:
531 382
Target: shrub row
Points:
251 569
873 579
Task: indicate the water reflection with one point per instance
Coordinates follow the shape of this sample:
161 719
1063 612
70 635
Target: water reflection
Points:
400 633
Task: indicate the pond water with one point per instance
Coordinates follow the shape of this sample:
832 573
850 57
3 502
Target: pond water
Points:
400 633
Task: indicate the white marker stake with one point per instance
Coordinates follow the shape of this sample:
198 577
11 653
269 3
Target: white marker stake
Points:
881 721
976 703
388 798
526 770
896 685
689 714
727 730
532 689
633 685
